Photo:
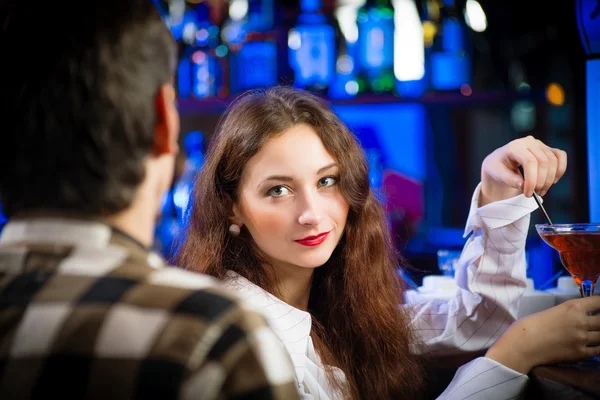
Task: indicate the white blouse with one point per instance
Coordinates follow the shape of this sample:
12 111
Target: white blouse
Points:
485 304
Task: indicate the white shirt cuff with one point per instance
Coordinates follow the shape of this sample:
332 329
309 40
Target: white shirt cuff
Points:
485 379
499 213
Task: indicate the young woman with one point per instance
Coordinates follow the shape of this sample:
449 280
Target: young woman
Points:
283 212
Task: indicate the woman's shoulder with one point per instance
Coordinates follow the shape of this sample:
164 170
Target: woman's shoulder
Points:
282 316
237 283
248 291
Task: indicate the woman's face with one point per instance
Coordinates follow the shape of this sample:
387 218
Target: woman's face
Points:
290 200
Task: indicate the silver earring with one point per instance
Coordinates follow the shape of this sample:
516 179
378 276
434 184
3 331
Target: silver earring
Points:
234 229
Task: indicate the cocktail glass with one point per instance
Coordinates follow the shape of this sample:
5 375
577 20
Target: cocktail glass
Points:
579 248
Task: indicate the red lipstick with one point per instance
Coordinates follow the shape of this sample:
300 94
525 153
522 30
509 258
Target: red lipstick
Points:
313 240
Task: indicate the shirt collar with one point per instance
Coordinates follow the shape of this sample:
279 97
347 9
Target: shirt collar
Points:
67 231
77 232
279 311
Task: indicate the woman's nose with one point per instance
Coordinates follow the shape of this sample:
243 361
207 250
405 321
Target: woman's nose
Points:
310 218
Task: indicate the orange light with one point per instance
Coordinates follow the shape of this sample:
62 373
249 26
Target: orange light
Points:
466 90
555 94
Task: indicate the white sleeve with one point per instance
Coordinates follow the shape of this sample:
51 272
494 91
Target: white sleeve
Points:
491 279
485 379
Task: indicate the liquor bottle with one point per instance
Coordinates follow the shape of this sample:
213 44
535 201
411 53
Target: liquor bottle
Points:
344 83
251 38
376 46
409 50
450 62
312 48
199 72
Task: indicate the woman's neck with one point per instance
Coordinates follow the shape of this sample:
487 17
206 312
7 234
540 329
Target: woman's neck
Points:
294 284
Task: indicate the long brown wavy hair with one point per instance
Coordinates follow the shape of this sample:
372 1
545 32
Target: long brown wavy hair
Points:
355 296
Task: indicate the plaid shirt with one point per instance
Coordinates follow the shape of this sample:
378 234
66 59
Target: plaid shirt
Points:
86 312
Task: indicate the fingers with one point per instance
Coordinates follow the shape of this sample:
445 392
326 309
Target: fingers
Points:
529 163
509 176
586 305
551 170
592 351
594 321
593 338
542 166
561 156
592 304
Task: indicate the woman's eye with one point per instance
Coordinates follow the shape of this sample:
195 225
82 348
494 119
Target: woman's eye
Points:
278 191
327 181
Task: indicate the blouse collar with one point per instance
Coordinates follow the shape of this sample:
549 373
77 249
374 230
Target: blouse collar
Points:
291 325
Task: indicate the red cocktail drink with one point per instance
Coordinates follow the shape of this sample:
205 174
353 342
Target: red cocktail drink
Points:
579 253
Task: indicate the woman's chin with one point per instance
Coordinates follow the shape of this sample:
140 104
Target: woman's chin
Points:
313 261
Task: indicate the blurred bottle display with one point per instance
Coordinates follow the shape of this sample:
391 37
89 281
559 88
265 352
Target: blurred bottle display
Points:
400 47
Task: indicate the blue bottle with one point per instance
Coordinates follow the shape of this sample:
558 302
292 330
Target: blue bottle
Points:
451 62
253 45
183 189
345 84
312 49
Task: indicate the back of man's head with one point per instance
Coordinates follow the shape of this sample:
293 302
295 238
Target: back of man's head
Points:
78 101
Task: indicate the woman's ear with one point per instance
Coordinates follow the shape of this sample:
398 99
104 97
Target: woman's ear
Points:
234 212
236 216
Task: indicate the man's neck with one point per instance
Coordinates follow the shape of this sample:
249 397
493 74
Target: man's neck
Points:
135 223
139 219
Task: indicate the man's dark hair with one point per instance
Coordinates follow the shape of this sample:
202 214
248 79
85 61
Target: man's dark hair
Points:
77 101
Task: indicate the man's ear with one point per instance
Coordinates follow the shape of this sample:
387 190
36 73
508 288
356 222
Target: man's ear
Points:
166 125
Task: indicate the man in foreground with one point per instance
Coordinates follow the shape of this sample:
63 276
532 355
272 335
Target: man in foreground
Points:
89 139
